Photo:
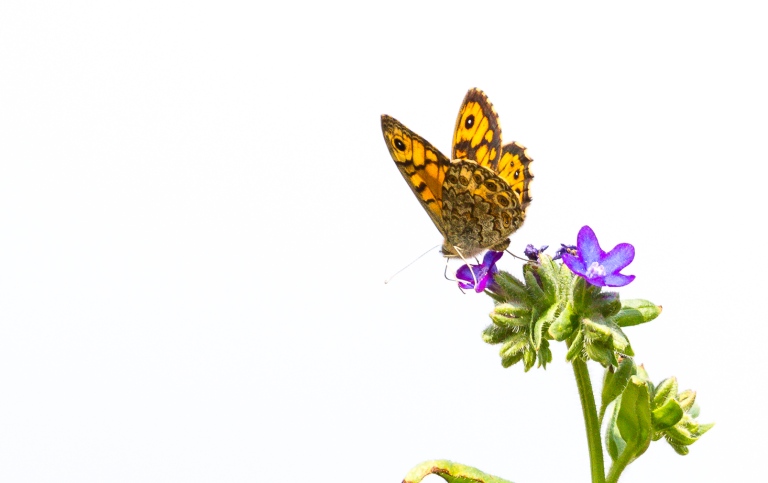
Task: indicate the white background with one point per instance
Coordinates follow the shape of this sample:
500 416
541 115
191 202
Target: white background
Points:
197 213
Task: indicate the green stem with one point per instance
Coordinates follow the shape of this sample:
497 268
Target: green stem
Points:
590 420
618 466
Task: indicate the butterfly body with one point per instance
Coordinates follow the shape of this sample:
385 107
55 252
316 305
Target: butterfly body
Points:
477 199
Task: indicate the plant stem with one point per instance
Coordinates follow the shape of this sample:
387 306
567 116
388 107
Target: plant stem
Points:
590 420
618 466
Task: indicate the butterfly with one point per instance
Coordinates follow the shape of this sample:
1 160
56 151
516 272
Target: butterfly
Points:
477 198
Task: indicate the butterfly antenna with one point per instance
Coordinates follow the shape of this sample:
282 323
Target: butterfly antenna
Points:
414 261
519 258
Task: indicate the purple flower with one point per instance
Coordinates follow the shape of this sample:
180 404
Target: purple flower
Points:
478 277
533 253
596 266
565 249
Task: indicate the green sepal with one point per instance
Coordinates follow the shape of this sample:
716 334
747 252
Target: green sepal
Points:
667 415
450 472
614 382
515 344
595 328
529 359
544 354
614 443
512 288
511 360
565 324
635 312
508 315
634 419
576 347
548 272
583 296
601 352
538 297
542 323
664 392
680 449
607 303
681 434
494 334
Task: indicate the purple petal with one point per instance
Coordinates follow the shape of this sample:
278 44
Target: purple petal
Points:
589 248
618 280
618 258
576 264
597 281
482 283
465 273
491 257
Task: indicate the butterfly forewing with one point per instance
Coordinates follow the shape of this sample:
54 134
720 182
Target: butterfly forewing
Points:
477 135
420 163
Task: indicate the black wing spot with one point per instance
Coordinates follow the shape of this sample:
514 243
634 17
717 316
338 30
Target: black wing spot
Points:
470 121
399 144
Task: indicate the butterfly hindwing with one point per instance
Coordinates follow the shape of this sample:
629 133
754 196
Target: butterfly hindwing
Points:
420 163
514 169
477 135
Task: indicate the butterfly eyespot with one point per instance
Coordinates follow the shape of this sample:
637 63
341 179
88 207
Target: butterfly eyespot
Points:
463 180
470 121
478 178
452 178
506 218
491 185
517 174
399 144
502 200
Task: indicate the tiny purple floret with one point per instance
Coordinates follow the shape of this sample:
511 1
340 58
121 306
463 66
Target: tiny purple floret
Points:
533 253
596 266
482 274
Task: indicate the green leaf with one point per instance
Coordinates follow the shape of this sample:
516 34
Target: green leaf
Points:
667 415
615 381
634 420
636 311
450 472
